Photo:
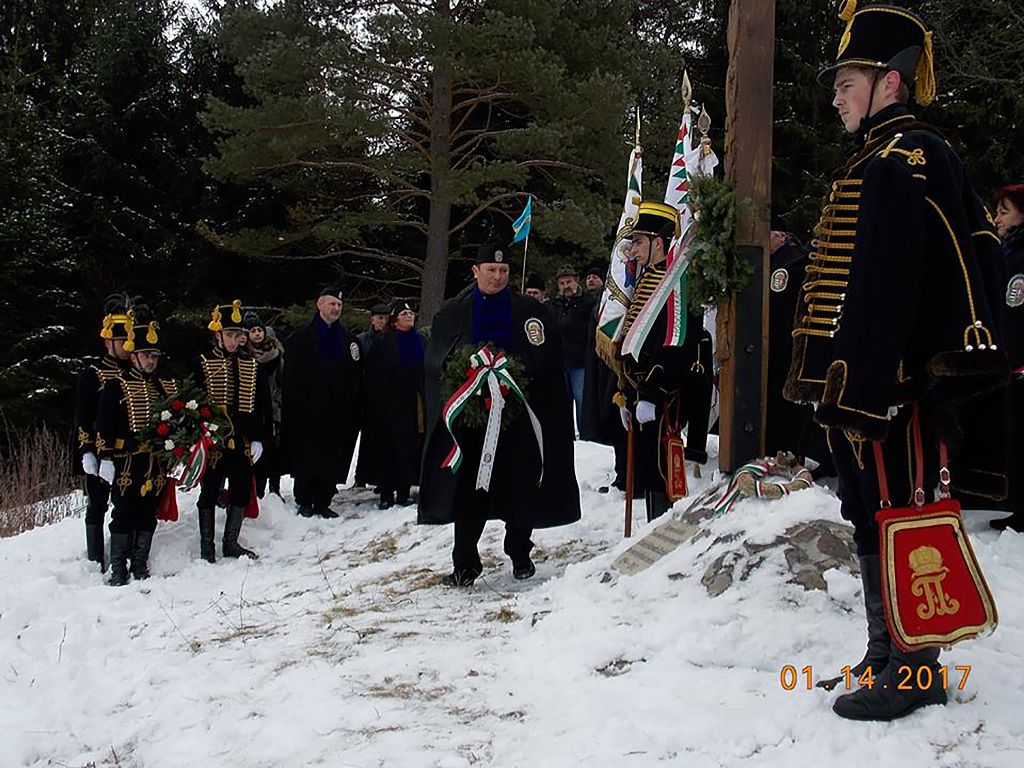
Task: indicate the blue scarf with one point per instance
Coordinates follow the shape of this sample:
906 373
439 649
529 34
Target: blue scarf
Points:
410 347
328 338
492 320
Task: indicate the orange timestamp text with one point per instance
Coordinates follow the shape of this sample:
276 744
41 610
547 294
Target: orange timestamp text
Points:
907 678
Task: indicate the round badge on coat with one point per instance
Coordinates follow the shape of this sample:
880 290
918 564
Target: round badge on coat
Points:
534 331
353 349
779 280
1015 291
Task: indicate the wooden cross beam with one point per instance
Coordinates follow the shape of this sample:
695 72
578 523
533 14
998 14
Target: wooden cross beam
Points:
743 319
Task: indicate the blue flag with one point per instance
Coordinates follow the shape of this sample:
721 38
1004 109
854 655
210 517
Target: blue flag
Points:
521 226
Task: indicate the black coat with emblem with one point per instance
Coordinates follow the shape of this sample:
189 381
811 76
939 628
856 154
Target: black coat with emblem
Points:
514 494
789 426
601 420
392 442
321 398
900 299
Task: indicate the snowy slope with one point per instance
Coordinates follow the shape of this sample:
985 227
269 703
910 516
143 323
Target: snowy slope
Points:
337 648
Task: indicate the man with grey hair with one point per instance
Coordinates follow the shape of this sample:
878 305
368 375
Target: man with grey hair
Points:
319 415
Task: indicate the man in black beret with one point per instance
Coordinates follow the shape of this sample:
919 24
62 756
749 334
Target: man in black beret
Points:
526 488
898 310
321 397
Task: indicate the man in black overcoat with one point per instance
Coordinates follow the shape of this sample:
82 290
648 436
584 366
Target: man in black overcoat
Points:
321 397
519 326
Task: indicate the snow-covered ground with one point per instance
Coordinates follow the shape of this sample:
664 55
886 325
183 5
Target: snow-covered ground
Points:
337 648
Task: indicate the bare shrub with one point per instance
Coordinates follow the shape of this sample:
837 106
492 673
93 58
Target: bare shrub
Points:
36 482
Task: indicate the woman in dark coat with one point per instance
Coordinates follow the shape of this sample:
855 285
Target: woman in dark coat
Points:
1009 202
394 400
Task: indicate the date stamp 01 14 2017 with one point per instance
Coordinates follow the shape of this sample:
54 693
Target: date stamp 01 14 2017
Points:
907 678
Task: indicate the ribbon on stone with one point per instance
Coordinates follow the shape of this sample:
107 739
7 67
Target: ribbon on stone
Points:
487 368
195 465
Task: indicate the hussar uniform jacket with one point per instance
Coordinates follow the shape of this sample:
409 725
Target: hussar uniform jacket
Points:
125 407
91 381
237 385
900 299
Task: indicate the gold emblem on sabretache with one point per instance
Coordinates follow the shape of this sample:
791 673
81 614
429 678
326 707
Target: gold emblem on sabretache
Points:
929 573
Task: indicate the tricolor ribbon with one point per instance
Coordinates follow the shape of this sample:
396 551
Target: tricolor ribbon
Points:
195 465
490 369
733 493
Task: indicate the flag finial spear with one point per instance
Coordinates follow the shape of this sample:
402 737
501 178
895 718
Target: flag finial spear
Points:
687 90
704 126
637 136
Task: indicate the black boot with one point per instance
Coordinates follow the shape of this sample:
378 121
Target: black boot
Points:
207 548
94 545
910 681
459 579
387 500
523 569
140 554
233 527
120 547
877 655
657 505
402 497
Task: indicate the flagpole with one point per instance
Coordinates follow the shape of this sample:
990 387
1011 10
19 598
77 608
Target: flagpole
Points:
526 247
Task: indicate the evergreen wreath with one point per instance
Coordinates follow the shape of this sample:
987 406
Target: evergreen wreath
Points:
475 414
716 270
177 422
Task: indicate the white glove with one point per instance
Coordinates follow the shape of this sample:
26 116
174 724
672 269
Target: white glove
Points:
624 415
644 412
90 463
107 471
255 450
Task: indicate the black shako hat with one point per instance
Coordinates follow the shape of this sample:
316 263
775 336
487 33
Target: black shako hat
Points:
492 253
143 332
886 37
227 317
657 220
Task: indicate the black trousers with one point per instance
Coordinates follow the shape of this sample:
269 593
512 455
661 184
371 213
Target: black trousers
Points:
858 476
98 493
313 491
138 482
232 465
469 527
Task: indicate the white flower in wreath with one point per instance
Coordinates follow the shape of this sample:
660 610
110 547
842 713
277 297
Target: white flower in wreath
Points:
213 427
192 405
165 415
169 445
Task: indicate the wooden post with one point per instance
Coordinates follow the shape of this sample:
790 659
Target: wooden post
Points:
743 319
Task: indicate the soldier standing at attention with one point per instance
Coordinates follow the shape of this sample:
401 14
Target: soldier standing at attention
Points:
899 308
234 383
127 464
658 378
91 381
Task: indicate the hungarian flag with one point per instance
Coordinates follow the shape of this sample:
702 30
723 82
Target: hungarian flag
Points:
687 161
622 272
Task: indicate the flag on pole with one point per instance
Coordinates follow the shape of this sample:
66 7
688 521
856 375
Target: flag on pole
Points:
622 273
521 226
687 161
